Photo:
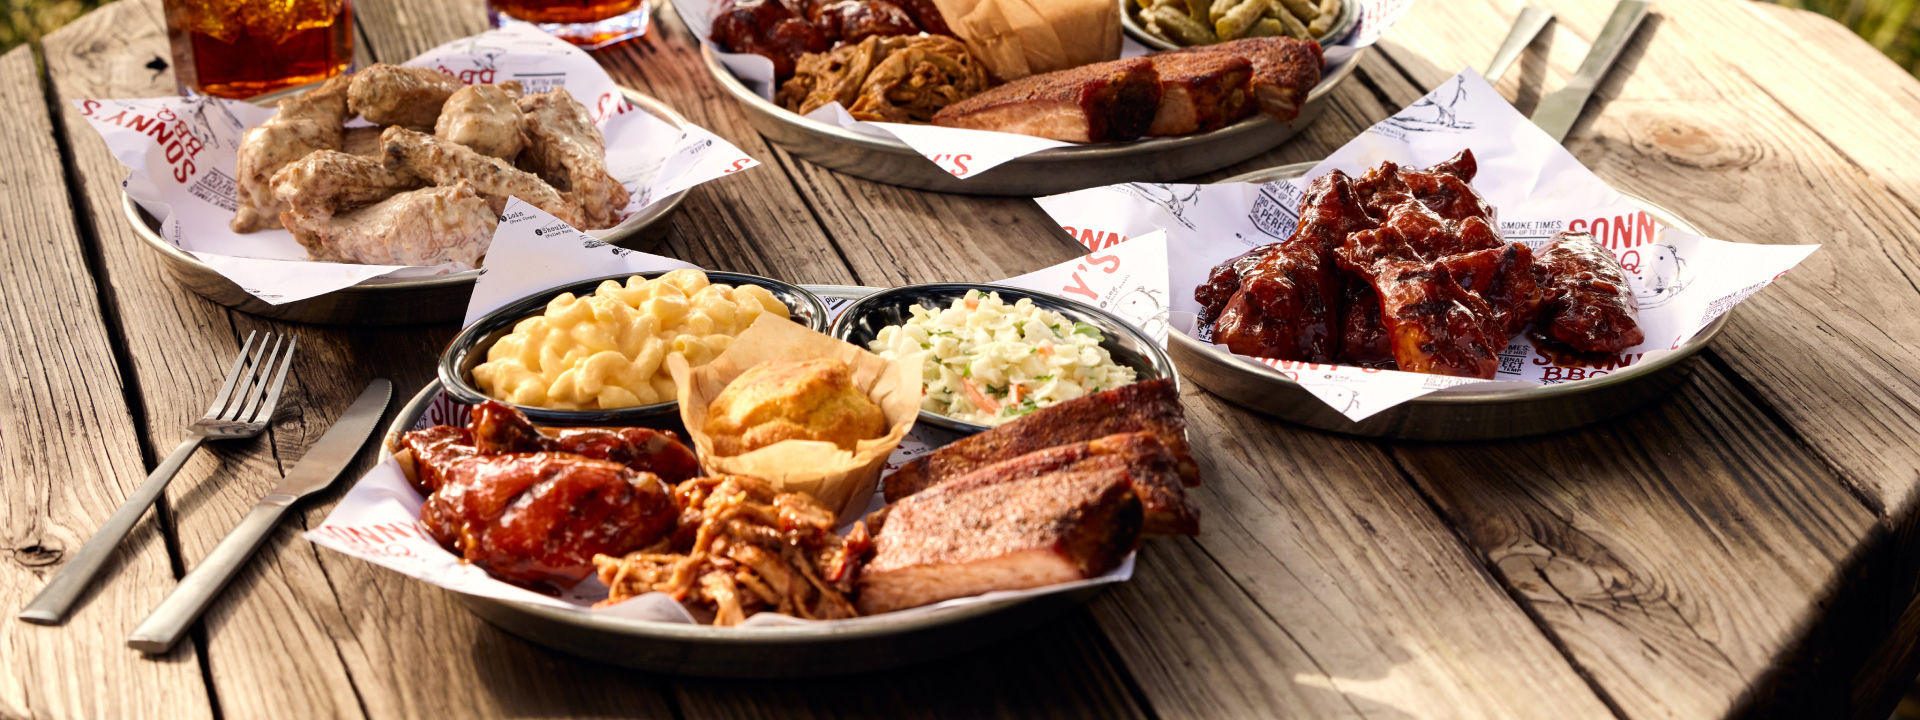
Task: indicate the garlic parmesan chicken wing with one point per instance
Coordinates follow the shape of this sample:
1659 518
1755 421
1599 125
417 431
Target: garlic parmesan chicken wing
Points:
326 182
445 163
406 96
486 118
303 124
430 226
567 150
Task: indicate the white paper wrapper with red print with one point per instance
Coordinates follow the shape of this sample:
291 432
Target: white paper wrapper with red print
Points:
378 519
966 153
182 153
1682 281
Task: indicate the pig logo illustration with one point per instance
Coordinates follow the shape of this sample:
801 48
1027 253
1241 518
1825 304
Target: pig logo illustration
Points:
1438 111
1169 198
1144 307
1655 272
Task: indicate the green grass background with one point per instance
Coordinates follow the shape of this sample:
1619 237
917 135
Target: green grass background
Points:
1891 25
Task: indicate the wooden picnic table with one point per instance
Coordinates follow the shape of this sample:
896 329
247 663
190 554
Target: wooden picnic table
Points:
1741 548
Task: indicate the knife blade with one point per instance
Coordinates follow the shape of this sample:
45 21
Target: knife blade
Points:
315 471
1525 28
1558 111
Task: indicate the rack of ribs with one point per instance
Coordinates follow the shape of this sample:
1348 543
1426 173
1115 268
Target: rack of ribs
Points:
1152 406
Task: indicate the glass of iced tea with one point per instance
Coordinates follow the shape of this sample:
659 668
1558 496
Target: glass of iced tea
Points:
587 23
243 48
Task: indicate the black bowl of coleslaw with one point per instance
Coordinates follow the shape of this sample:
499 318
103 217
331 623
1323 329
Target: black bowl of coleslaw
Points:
470 348
861 322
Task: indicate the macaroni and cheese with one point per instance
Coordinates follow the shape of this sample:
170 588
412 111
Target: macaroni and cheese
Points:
607 350
989 362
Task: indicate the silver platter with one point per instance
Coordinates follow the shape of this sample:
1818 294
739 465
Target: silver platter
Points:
839 648
1047 172
380 300
1471 412
1130 21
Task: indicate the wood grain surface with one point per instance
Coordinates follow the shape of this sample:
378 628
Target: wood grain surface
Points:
1743 548
69 452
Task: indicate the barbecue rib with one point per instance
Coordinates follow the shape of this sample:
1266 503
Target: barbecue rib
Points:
498 429
1200 92
1591 307
1012 535
1287 305
1142 458
1102 102
1151 406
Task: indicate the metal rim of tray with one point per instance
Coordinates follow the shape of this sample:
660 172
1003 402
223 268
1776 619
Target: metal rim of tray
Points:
1349 18
1463 398
537 623
1043 173
206 281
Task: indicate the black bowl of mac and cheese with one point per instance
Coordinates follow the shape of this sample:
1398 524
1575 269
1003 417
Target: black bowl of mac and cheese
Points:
593 352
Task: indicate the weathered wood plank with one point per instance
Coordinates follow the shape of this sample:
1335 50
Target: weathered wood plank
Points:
69 452
1681 554
1018 678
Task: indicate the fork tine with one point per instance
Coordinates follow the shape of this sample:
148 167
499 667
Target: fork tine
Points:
247 385
233 373
272 397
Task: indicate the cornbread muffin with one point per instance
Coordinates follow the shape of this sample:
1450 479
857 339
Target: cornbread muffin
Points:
783 400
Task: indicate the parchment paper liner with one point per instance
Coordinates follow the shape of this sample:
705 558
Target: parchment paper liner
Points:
843 481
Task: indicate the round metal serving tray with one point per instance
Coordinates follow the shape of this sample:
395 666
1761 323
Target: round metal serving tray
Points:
836 648
380 300
1469 412
1129 20
1047 172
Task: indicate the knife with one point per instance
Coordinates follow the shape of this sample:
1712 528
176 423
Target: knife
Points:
1557 111
315 471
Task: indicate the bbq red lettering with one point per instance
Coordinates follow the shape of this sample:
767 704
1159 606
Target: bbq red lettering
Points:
1089 238
1643 228
1577 226
1110 262
738 165
960 161
1080 288
88 106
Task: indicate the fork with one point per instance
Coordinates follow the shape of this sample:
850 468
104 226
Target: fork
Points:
243 409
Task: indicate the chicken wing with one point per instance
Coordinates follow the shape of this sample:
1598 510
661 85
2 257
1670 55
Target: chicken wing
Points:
1504 277
327 182
1591 307
485 118
498 429
429 226
539 519
406 96
303 124
445 163
1288 305
567 150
